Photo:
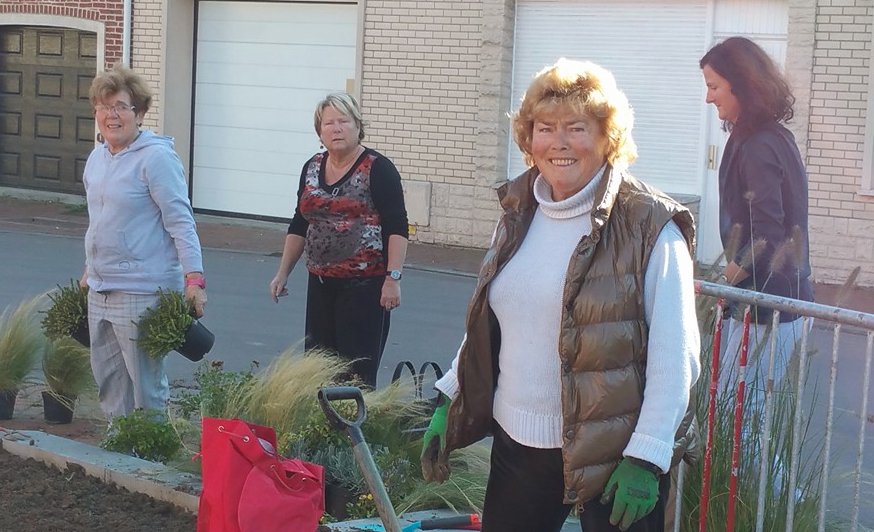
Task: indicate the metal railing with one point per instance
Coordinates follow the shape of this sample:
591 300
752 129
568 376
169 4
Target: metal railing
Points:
826 317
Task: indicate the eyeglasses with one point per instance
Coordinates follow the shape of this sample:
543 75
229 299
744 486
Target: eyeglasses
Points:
119 108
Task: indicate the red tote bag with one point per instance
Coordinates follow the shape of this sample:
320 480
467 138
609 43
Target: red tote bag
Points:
247 487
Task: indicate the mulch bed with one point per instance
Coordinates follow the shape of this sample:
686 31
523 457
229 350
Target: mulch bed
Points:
34 496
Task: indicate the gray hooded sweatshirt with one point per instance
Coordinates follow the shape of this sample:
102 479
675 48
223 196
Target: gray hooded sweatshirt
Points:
141 234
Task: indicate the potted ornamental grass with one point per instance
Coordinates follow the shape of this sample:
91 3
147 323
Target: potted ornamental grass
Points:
68 315
21 343
170 326
66 366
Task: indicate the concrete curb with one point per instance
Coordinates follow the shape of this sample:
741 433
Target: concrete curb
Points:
134 474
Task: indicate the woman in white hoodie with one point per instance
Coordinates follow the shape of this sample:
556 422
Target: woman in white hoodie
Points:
141 237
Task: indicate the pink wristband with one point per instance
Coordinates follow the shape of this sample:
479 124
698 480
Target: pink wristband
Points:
198 281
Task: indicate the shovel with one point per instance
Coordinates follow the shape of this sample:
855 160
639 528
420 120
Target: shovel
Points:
360 449
466 522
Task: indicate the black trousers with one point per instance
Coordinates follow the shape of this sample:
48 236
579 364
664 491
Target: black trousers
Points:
526 489
344 316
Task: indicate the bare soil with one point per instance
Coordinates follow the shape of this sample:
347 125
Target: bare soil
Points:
34 496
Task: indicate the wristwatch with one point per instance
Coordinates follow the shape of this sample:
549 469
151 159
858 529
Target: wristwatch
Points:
197 281
394 274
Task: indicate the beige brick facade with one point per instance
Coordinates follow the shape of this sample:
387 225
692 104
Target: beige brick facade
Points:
146 54
841 219
435 79
435 85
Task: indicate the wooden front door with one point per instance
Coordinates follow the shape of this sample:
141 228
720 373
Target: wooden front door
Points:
46 121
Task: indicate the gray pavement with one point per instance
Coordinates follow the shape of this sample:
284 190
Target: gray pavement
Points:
42 246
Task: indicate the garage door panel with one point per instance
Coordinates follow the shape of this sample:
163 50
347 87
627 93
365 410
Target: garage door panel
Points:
274 12
276 32
270 162
290 77
261 68
257 140
298 99
41 108
258 118
285 54
242 192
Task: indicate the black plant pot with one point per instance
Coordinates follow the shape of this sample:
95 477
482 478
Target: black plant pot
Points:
57 411
7 403
336 499
82 335
198 341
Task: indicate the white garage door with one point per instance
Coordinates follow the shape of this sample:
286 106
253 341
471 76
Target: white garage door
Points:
261 68
652 48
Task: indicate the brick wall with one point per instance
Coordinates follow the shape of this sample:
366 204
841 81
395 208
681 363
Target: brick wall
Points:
146 54
841 220
423 65
110 12
146 34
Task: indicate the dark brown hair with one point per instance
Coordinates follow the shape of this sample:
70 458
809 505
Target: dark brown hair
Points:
760 88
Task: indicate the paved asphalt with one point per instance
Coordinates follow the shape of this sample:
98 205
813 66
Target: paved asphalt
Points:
428 327
248 325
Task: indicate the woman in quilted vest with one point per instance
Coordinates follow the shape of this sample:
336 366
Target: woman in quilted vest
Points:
581 340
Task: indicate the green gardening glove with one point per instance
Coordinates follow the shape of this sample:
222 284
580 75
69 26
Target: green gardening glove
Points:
634 489
435 465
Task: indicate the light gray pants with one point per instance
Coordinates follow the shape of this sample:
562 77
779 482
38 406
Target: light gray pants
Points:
127 378
758 354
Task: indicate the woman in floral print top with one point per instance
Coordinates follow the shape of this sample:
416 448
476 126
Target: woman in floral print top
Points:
352 223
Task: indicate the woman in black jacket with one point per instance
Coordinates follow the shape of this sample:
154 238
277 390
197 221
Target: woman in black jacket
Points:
762 193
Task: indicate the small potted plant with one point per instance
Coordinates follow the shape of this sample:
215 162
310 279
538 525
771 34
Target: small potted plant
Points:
66 365
68 315
21 343
170 326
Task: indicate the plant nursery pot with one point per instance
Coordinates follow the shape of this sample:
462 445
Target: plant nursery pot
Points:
198 341
336 499
57 412
82 335
7 403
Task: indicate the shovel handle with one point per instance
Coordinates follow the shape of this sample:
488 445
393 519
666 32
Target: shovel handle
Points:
342 393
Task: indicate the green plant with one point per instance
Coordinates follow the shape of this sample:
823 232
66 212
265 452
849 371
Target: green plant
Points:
76 208
21 343
162 328
68 313
283 396
214 385
147 434
66 365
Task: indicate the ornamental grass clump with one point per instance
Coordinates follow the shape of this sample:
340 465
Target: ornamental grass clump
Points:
68 315
806 496
163 327
284 396
21 344
66 366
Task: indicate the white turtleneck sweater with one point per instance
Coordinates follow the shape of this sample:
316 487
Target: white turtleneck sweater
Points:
526 299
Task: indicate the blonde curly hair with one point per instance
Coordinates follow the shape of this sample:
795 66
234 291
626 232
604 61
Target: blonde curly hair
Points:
578 88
